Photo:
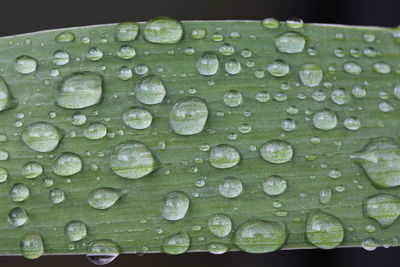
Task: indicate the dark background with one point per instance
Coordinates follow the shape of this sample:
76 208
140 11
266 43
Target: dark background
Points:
21 16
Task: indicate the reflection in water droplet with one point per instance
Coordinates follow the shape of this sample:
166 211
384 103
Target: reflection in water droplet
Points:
174 205
31 245
163 30
290 42
230 187
369 244
42 136
325 119
19 192
220 224
17 217
233 98
32 170
340 96
217 248
310 75
208 64
276 151
25 64
137 118
176 244
104 197
102 251
188 116
278 68
95 131
150 90
384 208
75 230
233 66
7 101
274 185
224 156
259 236
67 164
126 31
60 58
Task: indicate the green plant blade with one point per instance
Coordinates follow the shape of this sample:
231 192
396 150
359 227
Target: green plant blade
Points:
143 145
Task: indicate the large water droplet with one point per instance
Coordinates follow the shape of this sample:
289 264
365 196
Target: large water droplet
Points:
325 119
380 160
67 164
176 244
31 245
274 185
132 160
17 217
19 192
163 30
208 64
220 224
224 156
324 230
102 251
6 99
25 64
80 90
137 118
384 208
174 205
75 230
276 151
310 75
104 197
290 42
42 136
230 187
259 236
150 90
188 116
126 31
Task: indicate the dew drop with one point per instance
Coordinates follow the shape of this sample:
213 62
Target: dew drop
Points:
102 251
17 217
288 125
163 30
7 101
125 73
233 66
25 64
310 75
32 170
104 197
137 118
75 230
220 224
177 243
230 187
274 185
42 136
224 156
150 90
369 244
60 58
325 195
340 96
95 131
278 68
126 31
19 192
276 151
352 123
263 96
208 64
352 68
325 119
31 245
67 164
65 37
270 23
198 34
3 175
217 248
126 52
233 98
384 208
290 42
56 196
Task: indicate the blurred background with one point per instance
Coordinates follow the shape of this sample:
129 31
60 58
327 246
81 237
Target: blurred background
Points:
21 16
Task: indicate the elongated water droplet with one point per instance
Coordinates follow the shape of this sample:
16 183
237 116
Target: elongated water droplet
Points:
352 68
17 217
94 54
177 243
102 251
208 64
217 248
137 118
25 64
270 23
132 160
163 30
276 151
278 68
95 131
67 164
104 197
310 75
384 208
42 136
290 42
188 116
325 119
324 230
220 224
80 90
126 31
75 230
380 160
31 245
259 236
7 101
19 192
274 185
65 37
174 206
32 170
150 90
126 52
325 195
224 156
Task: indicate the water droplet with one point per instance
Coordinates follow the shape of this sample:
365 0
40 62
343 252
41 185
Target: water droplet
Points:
224 156
208 64
380 160
163 30
65 37
7 101
324 230
102 251
230 187
188 116
340 96
352 123
126 52
263 96
310 75
382 68
95 131
32 170
369 244
294 23
56 196
220 224
233 98
384 208
75 230
177 243
126 31
352 68
132 160
60 58
325 195
290 42
125 73
19 192
150 90
270 23
358 92
288 125
226 49
17 217
94 54
137 118
259 236
67 164
276 151
42 136
80 90
25 64
174 205
104 197
274 185
198 34
325 119
217 248
31 245
233 66
278 68
3 175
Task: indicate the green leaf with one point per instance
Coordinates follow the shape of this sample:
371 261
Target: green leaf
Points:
188 136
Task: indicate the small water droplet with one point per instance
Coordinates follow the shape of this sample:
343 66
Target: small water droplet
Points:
325 119
198 33
352 68
310 75
274 185
217 248
150 90
75 230
126 52
137 118
19 192
230 187
233 66
278 68
220 224
382 67
163 30
32 170
352 123
95 131
7 101
65 37
56 196
233 98
340 96
369 244
25 64
174 206
325 195
224 156
276 151
67 164
17 217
